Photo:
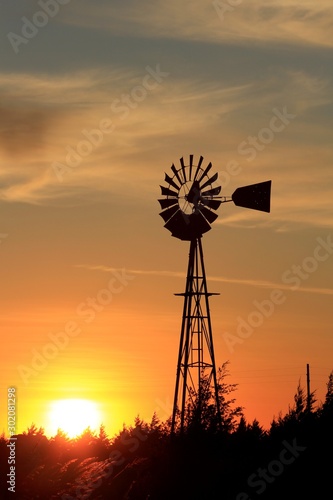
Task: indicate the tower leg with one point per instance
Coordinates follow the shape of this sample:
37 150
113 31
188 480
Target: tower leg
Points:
196 370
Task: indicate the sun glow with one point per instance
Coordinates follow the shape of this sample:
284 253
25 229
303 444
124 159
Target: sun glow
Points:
73 416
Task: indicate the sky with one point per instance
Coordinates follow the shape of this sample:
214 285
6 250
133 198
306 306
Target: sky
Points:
98 100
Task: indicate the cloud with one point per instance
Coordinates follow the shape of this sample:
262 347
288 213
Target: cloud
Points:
23 128
220 279
286 22
44 116
33 106
40 116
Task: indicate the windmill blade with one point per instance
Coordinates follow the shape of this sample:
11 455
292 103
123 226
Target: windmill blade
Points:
191 166
205 172
168 192
186 227
210 181
167 214
199 223
210 216
183 168
198 167
167 202
254 196
171 182
214 204
179 225
173 168
212 192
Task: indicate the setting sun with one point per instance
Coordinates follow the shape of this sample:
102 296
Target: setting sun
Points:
73 416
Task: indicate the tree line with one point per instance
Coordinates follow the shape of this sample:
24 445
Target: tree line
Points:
236 461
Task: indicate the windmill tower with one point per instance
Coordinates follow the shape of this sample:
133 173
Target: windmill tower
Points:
188 210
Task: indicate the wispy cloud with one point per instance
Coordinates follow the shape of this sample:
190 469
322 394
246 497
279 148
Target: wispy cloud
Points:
220 279
283 22
188 113
35 133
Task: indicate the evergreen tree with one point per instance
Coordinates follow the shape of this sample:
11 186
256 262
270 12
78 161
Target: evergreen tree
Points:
329 394
202 412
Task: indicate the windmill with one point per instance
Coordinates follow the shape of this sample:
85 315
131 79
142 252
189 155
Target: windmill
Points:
189 203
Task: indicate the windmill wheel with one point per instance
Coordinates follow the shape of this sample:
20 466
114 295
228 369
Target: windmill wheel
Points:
189 203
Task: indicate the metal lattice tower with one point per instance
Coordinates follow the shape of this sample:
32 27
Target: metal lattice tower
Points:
196 358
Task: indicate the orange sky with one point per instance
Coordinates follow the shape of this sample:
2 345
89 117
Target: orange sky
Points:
146 85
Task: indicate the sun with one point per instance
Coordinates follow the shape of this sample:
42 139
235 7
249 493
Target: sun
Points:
73 416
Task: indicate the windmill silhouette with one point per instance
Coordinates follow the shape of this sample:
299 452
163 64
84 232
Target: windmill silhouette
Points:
188 210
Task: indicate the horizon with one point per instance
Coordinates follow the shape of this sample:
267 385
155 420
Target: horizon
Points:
71 435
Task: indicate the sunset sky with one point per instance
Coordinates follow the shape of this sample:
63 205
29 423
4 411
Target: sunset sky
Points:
97 102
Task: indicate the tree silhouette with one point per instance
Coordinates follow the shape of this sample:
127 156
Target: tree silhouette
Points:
142 461
201 412
329 394
34 431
